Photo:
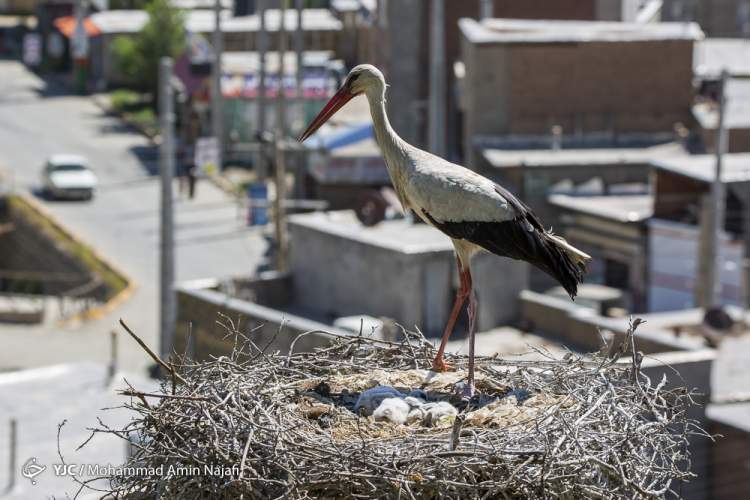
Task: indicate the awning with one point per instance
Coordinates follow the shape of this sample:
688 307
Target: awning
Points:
67 26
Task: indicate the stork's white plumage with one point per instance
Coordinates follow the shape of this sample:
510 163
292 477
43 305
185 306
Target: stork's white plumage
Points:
476 213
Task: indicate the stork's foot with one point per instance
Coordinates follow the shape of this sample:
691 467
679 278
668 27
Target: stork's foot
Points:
439 365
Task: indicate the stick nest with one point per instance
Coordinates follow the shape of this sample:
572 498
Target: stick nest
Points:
281 425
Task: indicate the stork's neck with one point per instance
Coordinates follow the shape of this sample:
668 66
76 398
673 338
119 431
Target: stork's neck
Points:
388 139
394 148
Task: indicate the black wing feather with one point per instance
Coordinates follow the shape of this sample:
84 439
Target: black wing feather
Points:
521 238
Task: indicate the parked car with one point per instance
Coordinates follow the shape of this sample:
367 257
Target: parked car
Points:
69 177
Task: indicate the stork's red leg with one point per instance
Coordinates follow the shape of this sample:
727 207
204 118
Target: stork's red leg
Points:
438 364
472 311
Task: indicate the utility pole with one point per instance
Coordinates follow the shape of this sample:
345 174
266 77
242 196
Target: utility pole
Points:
436 125
261 168
486 8
166 167
217 100
299 47
80 46
708 287
279 208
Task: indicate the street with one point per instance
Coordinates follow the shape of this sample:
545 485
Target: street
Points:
38 119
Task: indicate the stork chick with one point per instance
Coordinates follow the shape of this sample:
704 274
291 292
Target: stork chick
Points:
476 213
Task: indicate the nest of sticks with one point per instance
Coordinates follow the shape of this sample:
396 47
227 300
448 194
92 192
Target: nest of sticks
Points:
260 425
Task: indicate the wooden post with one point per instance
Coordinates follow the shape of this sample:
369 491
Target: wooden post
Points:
12 455
112 369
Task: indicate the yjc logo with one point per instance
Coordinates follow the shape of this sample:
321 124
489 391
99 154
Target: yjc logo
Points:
31 470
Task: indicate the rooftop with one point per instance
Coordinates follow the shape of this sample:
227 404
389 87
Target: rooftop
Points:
398 235
712 55
621 208
737 105
202 21
736 167
503 158
502 31
735 415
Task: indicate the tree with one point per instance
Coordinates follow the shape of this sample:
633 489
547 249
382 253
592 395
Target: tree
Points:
163 35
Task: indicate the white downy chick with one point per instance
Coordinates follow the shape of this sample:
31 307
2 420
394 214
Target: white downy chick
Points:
437 413
416 411
393 409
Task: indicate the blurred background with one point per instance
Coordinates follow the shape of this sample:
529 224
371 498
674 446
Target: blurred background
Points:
172 193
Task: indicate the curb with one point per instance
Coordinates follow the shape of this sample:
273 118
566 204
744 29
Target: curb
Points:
109 110
118 298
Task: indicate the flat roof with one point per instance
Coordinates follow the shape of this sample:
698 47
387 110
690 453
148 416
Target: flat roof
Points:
398 235
736 415
346 5
509 158
735 167
202 21
712 55
620 208
737 111
504 31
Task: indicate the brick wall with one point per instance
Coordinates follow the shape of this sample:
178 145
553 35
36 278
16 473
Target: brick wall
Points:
613 87
625 87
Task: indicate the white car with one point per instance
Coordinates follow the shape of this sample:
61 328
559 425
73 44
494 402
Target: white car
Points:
68 176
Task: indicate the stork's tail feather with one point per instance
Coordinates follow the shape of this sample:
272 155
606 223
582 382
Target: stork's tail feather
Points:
564 262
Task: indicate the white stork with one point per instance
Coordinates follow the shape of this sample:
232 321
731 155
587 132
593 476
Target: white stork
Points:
476 213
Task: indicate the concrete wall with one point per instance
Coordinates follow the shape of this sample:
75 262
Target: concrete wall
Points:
199 310
579 327
693 371
339 275
24 249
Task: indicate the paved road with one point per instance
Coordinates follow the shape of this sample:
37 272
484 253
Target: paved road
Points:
39 119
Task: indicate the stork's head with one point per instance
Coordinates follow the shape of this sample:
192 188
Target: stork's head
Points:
361 79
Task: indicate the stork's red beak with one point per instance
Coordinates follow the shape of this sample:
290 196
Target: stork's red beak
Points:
337 101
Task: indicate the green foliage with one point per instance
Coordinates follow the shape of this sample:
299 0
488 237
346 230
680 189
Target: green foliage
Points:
125 100
163 35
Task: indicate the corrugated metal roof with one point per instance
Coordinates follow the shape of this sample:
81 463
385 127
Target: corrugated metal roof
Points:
735 167
504 31
621 208
503 158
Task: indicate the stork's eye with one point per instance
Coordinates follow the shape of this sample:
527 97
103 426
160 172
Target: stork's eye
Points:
352 78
